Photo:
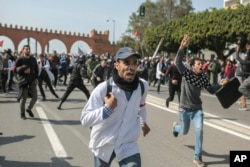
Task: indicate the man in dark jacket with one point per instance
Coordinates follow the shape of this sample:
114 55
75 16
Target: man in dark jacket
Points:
174 84
76 80
54 64
27 70
100 72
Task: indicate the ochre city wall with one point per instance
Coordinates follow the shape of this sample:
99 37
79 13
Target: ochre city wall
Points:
97 41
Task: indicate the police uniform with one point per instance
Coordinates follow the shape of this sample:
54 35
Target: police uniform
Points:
76 80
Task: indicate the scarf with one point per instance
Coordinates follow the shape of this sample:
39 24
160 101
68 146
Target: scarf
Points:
199 81
124 85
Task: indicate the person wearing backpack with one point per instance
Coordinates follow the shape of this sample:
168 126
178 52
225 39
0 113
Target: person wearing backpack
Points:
245 71
116 116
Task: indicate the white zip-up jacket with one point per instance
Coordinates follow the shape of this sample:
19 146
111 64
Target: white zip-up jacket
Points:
47 69
120 131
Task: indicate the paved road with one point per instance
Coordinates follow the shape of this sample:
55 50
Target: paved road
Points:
56 138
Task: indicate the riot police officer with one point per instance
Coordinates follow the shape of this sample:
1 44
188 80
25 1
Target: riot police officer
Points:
76 79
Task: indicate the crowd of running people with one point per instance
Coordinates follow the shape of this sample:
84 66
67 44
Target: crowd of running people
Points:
156 70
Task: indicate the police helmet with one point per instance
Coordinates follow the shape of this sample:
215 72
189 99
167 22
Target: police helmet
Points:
82 58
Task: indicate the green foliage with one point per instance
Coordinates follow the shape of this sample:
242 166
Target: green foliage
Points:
157 13
213 30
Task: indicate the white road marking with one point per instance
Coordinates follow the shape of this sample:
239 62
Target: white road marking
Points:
229 121
227 130
54 140
161 107
155 101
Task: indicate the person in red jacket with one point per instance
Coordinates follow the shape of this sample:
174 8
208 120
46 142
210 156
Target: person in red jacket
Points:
229 70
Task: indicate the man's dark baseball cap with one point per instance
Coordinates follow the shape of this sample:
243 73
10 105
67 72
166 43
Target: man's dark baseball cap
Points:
126 52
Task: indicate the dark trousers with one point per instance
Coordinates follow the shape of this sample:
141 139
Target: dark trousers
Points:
172 89
63 73
152 77
26 92
44 77
55 73
72 85
11 79
4 77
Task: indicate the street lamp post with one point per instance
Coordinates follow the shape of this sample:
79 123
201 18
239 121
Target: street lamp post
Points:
113 28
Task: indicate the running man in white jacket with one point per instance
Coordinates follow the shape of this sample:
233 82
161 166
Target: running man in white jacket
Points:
115 117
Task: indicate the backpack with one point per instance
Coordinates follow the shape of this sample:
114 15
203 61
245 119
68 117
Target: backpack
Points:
109 87
245 69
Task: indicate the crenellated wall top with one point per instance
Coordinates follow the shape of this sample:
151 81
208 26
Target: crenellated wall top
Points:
93 32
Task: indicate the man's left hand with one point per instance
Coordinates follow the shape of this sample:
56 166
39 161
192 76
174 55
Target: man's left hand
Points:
145 129
223 82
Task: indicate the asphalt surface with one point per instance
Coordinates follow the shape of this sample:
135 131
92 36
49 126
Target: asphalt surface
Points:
56 138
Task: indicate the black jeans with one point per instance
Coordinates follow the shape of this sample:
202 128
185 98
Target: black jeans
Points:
72 85
172 89
44 77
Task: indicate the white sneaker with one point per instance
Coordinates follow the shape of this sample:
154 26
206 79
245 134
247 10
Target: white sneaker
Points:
243 109
199 163
174 132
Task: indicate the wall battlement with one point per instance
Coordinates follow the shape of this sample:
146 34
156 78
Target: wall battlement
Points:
93 32
98 41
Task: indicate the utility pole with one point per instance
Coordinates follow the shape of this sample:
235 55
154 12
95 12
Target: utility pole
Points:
161 40
28 40
113 28
113 43
36 46
48 48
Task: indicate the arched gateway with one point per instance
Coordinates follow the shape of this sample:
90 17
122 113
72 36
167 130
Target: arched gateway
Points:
98 42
